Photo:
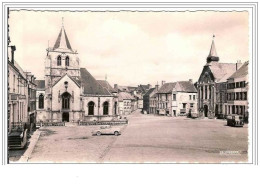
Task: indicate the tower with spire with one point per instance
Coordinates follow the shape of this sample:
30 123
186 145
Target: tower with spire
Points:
61 59
212 53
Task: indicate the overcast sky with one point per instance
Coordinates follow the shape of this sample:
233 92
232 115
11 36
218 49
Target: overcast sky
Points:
132 47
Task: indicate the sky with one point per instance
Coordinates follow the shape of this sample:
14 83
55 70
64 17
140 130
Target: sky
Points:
132 48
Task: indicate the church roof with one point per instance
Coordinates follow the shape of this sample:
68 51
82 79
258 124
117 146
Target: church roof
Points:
40 84
106 85
241 72
91 85
221 71
62 41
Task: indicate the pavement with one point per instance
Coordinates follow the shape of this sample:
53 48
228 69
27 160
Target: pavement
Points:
147 138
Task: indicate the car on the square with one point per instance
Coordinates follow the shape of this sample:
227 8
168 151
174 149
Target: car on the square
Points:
107 130
235 120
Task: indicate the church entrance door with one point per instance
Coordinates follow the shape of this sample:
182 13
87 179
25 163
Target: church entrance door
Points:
205 110
65 117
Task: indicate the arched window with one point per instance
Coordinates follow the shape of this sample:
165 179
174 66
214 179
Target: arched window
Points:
91 108
67 61
66 100
59 60
41 101
105 108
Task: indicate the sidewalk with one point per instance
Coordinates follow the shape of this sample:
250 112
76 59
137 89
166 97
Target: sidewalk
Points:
33 140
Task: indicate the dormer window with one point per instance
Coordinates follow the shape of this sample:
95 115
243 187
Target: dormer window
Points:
59 60
67 61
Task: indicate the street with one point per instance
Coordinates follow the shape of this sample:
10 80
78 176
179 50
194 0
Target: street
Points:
147 138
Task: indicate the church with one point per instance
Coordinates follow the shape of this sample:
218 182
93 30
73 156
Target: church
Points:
70 93
212 85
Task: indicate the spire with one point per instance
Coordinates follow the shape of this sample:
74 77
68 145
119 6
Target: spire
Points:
212 53
62 41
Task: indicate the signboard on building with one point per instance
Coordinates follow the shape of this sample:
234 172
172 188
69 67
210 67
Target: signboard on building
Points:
14 97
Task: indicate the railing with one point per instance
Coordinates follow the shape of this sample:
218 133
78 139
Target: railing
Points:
50 124
103 122
19 126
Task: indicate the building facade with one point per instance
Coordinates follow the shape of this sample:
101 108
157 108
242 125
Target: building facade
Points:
126 103
148 102
70 93
20 99
237 93
178 98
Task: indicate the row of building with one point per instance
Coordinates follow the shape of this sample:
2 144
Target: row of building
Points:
222 89
70 93
21 93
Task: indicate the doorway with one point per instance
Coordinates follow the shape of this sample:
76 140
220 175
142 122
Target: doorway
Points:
65 117
205 110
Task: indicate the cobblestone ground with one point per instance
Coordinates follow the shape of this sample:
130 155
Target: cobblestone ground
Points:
146 138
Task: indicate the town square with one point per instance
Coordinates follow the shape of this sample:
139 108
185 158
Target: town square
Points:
65 109
145 139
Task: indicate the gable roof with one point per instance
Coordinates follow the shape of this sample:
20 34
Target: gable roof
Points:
124 95
180 86
73 79
91 85
106 85
185 86
241 72
40 84
167 87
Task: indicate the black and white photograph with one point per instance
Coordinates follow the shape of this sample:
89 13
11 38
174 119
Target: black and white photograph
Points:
159 84
128 86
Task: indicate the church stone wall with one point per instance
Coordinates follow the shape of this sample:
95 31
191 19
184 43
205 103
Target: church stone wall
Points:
98 108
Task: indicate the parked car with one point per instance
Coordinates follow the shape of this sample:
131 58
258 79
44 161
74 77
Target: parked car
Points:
107 130
235 120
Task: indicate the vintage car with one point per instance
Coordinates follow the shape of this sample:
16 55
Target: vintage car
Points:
235 120
107 130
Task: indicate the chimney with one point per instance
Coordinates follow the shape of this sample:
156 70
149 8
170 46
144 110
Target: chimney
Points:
12 49
157 87
163 82
115 86
238 64
190 80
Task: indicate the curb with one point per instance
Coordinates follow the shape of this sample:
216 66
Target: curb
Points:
33 140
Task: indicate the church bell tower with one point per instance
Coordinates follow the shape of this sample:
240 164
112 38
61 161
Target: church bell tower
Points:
61 59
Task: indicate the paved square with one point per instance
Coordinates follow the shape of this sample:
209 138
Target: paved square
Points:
147 138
